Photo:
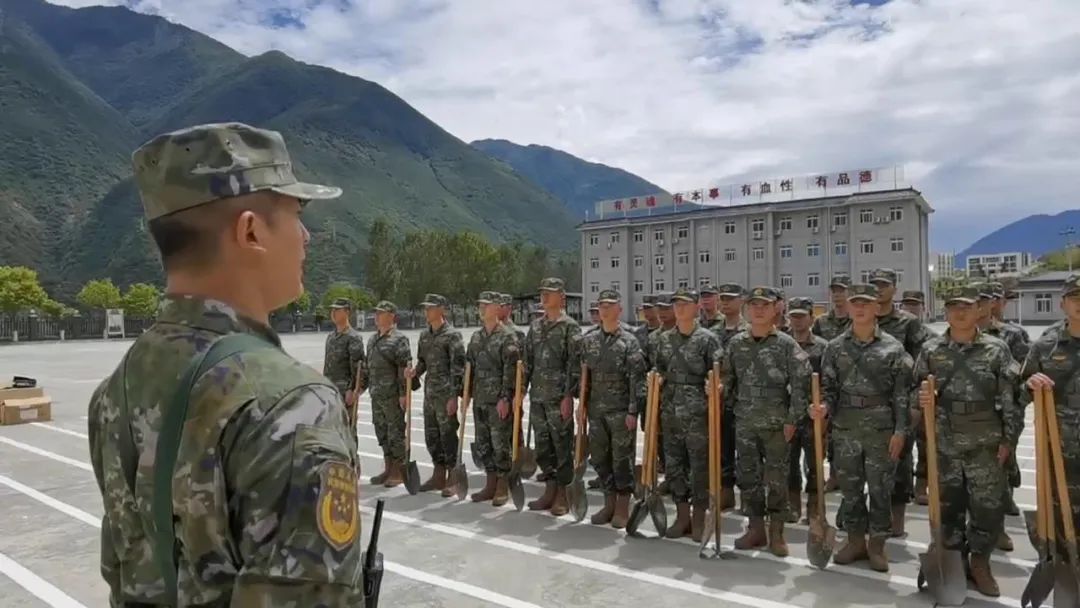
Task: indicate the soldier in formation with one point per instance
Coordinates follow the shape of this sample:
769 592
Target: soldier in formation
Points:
384 376
914 302
781 320
709 300
684 355
833 323
866 378
616 389
666 316
506 307
493 354
732 301
648 312
801 316
766 377
977 426
440 361
344 355
594 315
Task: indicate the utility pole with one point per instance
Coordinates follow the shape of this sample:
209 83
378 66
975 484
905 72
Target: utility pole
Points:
1068 234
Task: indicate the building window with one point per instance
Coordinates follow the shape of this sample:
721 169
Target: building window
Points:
785 280
658 260
594 287
1044 303
839 219
616 262
866 216
813 280
813 250
658 285
866 246
704 256
759 253
639 286
684 283
683 257
729 227
896 244
639 261
639 236
785 251
899 277
729 255
614 237
840 248
864 276
594 238
785 223
658 235
704 281
682 232
758 228
594 263
812 223
616 286
896 214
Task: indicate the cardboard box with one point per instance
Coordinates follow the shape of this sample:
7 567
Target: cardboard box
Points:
21 393
28 409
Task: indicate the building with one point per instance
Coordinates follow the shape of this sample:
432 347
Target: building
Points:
944 266
1038 299
796 244
998 264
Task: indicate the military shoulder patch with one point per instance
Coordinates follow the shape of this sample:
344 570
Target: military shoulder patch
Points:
337 509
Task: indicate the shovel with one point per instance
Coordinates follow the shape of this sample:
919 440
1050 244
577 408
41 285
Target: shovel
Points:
459 477
942 569
528 456
412 473
517 491
647 504
714 516
1066 577
1041 582
822 540
579 501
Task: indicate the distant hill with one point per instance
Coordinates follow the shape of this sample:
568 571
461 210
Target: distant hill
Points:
81 88
1035 234
577 182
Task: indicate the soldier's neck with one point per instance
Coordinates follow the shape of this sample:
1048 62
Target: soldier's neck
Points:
963 336
863 332
733 319
762 330
490 325
840 312
438 323
342 327
885 308
610 326
686 327
1074 327
801 337
242 296
986 323
553 315
668 324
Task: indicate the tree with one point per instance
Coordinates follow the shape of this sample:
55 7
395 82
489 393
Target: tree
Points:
20 289
383 272
141 301
100 293
360 298
56 310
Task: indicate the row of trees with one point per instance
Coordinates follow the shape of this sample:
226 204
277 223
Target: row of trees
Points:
21 290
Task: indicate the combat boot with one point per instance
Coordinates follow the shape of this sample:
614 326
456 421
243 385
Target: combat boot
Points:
754 536
488 492
982 577
681 527
559 506
395 476
777 545
437 481
876 553
854 550
921 497
898 520
1004 542
604 516
794 506
697 520
381 477
544 502
727 498
502 492
622 511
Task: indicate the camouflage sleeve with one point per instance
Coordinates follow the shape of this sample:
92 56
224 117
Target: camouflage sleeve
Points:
920 373
1032 363
356 355
362 372
1012 417
902 367
1020 346
918 334
457 363
527 356
573 361
470 359
799 379
421 363
326 354
830 380
635 376
729 378
292 471
110 559
511 353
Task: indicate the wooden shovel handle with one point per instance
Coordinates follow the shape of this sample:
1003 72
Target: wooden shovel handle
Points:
1043 503
1059 468
819 443
711 422
583 417
408 413
933 488
466 395
519 397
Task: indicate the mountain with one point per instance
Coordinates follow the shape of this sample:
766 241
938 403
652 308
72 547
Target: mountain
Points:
576 182
1035 234
89 85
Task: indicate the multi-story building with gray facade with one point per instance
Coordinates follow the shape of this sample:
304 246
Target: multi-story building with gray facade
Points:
796 245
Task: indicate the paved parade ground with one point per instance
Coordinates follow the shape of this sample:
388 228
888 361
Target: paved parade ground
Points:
439 552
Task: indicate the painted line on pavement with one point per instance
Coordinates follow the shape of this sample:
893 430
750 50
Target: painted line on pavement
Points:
46 454
41 588
59 429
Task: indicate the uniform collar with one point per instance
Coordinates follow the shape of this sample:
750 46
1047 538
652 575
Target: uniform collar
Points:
211 315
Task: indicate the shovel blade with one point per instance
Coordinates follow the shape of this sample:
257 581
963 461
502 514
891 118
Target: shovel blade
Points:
528 463
639 487
637 515
517 492
706 534
944 573
1032 529
579 500
658 512
820 545
460 481
1039 586
1066 594
476 457
412 478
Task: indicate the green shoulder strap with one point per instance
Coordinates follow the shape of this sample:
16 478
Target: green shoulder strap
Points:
168 443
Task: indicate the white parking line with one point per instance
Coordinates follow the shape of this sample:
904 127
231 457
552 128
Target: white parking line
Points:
46 454
41 588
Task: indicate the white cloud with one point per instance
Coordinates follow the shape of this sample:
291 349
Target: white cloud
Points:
977 97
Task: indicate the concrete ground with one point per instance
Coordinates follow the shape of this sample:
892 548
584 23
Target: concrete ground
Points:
440 552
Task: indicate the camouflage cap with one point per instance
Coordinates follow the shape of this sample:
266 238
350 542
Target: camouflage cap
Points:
341 303
780 293
434 299
1071 285
552 284
984 291
194 166
840 281
764 293
386 306
684 294
609 296
505 299
967 294
663 300
538 310
487 297
883 275
797 306
913 296
731 290
997 290
862 291
648 301
594 307
709 289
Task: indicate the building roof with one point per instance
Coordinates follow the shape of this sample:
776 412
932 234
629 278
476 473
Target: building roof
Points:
1055 277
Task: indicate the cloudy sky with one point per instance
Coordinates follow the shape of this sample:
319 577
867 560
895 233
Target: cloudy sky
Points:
978 99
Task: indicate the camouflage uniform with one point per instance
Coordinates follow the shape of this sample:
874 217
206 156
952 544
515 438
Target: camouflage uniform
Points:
344 358
505 300
830 326
684 360
493 355
865 386
641 332
384 378
802 446
651 353
440 354
247 521
729 457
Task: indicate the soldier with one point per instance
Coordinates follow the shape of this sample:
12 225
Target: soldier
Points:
997 310
537 313
247 523
866 379
552 371
666 316
388 358
684 355
801 314
441 355
648 310
344 355
781 320
616 388
594 315
493 354
831 325
766 378
710 303
506 306
911 332
914 302
977 427
731 308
